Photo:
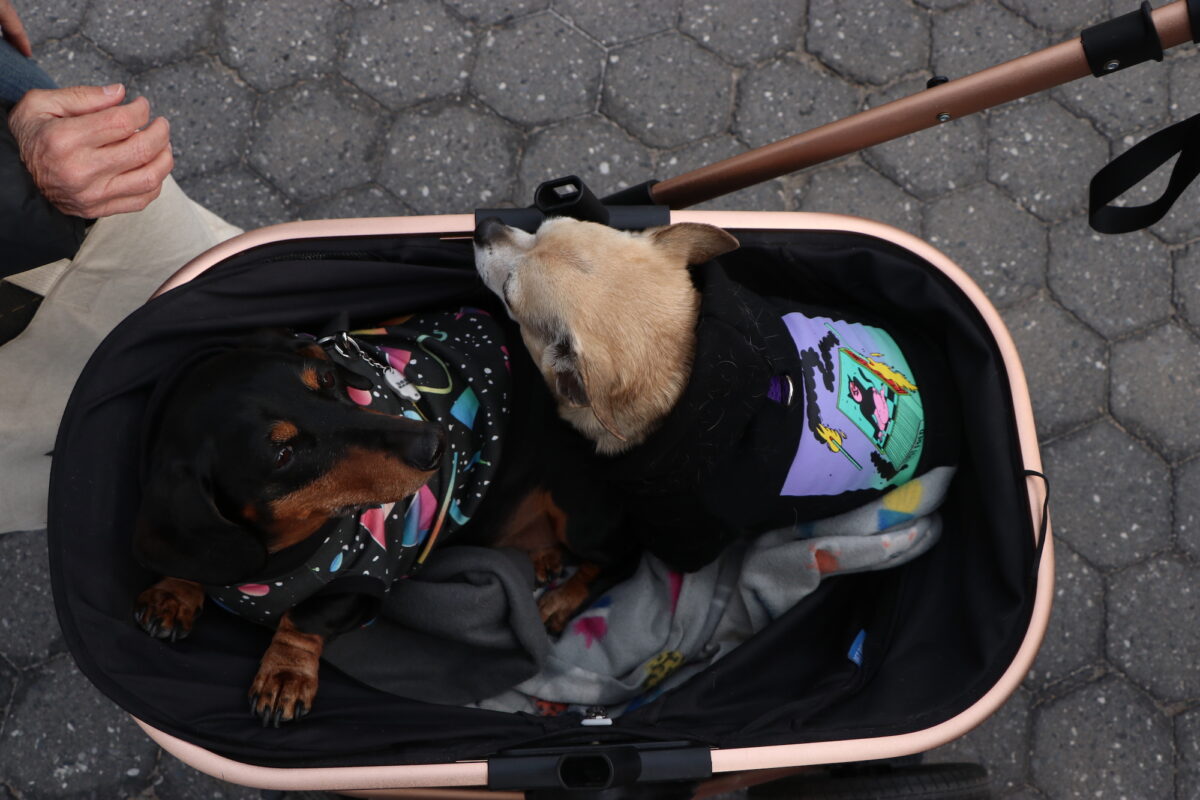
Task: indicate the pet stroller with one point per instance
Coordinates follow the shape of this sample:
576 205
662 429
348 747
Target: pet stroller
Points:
869 666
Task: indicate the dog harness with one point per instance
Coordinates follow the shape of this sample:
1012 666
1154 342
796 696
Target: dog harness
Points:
448 368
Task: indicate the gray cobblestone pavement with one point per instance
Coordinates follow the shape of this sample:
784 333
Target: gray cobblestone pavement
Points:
289 109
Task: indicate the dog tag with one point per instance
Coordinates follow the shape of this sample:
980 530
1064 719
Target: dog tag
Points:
401 385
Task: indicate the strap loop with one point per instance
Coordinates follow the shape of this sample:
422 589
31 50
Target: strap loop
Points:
1131 167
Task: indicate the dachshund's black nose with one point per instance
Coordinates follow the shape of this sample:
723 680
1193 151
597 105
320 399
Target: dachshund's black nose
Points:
425 450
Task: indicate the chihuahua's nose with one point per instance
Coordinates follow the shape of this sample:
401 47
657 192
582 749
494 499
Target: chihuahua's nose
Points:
488 230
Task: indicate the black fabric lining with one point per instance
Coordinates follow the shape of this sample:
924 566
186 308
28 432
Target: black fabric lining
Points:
940 630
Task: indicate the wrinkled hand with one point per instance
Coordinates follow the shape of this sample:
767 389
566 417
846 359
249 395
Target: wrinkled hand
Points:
90 156
13 30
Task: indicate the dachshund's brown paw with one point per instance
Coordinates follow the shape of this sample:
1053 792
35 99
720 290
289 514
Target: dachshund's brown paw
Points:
547 565
286 683
558 605
282 695
169 608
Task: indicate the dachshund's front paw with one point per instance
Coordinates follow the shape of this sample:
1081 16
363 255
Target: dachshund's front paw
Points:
169 608
282 694
558 605
286 683
547 565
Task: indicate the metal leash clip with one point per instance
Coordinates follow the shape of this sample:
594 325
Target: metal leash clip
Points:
347 347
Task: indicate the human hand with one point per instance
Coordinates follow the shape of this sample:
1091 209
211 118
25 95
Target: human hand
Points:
90 156
13 30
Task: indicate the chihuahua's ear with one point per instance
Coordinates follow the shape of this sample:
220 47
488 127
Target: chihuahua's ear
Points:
693 242
181 533
571 383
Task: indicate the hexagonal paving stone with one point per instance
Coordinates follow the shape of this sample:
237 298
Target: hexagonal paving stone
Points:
1000 246
209 109
1116 284
29 631
668 91
1075 636
862 192
1183 82
50 19
768 196
1125 101
1000 744
363 201
75 61
424 163
1044 156
1187 743
933 161
1105 740
1111 498
8 685
616 21
786 97
601 154
400 54
979 36
63 737
1066 365
1187 283
537 70
1064 18
941 5
143 35
274 44
1159 657
1155 382
747 31
316 139
178 781
870 42
489 12
239 197
1187 507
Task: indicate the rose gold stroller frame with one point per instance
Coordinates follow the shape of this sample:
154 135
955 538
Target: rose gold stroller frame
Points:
403 781
734 767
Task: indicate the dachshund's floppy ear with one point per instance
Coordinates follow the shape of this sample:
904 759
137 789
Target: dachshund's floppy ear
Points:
181 533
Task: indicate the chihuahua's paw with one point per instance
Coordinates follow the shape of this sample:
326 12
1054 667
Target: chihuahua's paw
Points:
169 608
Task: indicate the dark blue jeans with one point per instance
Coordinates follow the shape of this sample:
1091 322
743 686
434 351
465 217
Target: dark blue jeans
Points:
19 74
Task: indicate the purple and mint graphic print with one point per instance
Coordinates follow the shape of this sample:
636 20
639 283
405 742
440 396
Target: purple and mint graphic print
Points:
865 422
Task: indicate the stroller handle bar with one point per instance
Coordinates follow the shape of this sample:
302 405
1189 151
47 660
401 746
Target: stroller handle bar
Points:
941 103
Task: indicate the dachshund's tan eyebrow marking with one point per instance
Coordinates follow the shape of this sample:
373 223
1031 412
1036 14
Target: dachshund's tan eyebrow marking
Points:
308 376
283 431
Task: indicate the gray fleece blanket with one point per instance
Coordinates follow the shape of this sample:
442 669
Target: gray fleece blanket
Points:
466 629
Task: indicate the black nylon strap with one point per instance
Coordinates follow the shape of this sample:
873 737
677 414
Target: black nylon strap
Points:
1043 529
1131 167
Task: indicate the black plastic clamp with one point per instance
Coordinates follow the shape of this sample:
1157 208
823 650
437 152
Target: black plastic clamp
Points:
630 209
597 768
1122 42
